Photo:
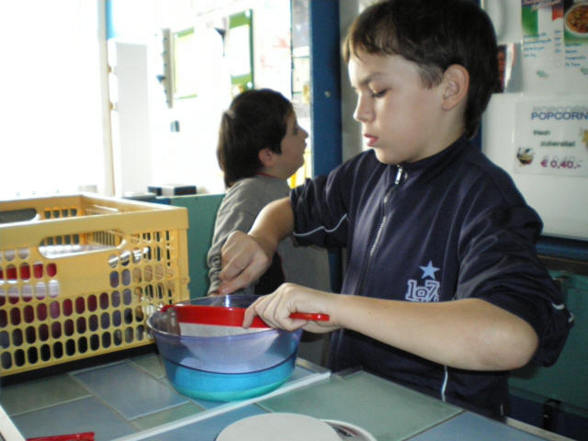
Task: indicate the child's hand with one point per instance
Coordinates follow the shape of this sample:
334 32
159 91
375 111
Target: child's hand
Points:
275 308
243 262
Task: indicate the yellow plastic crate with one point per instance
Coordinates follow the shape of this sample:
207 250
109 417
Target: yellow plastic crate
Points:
80 274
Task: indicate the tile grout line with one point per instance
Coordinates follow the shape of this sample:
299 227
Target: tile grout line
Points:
88 394
37 409
437 424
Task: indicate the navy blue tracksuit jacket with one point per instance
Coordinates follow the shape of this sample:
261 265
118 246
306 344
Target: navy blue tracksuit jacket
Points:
451 226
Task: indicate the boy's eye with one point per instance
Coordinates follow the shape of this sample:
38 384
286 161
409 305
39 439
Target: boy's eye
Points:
378 94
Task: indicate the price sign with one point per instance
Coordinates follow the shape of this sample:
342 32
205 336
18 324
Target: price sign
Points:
552 138
555 162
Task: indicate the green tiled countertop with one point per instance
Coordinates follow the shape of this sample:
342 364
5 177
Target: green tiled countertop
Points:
388 411
131 400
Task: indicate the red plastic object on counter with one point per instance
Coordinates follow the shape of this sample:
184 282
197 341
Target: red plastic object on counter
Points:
85 436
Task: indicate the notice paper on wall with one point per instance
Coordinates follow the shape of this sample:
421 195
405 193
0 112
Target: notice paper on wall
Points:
555 45
543 55
552 138
576 41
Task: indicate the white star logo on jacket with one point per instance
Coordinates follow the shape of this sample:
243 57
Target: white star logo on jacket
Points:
428 291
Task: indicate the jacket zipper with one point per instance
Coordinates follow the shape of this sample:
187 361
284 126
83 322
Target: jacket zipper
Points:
380 229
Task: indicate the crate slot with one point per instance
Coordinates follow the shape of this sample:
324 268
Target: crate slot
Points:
25 214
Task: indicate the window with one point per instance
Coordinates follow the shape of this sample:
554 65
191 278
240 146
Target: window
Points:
52 125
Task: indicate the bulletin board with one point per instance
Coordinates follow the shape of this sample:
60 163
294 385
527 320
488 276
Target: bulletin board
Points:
186 60
239 51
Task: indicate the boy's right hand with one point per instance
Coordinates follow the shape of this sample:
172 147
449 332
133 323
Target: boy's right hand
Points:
244 260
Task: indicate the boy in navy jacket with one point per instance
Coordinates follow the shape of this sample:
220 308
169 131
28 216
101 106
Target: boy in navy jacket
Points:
442 289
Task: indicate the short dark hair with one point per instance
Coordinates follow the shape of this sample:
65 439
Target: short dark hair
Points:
434 34
256 119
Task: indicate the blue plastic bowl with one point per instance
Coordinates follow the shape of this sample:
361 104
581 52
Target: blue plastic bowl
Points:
227 387
226 368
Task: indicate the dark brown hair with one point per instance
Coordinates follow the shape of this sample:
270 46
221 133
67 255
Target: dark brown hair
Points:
256 119
434 34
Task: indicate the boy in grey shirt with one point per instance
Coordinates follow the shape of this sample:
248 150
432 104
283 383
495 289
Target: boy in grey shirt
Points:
260 146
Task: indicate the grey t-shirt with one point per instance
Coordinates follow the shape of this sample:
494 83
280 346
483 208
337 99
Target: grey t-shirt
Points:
307 266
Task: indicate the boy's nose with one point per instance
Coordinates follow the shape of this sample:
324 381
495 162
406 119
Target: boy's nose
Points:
363 111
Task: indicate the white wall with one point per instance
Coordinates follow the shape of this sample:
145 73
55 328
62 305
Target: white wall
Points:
188 156
351 136
132 143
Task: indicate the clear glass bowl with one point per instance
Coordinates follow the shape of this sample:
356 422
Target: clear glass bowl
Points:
225 367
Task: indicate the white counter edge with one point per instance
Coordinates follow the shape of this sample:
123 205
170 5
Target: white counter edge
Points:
8 431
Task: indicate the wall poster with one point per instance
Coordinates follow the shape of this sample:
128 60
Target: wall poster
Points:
552 138
555 44
239 51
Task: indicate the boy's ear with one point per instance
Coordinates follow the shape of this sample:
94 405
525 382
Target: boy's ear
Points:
266 157
456 82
